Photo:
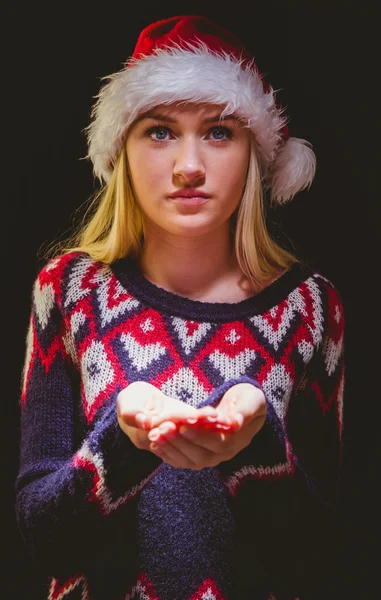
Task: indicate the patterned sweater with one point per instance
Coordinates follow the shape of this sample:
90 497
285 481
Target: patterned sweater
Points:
108 521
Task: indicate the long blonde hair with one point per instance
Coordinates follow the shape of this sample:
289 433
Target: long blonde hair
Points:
113 226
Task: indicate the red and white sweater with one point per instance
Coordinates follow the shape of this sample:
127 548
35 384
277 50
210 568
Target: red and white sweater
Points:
108 521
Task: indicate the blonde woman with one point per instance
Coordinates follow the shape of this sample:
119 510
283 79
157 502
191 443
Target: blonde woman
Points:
182 393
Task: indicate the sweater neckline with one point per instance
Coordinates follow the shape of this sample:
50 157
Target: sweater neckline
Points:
129 275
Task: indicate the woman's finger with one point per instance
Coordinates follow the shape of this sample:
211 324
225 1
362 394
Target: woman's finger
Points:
161 453
211 442
173 455
179 412
162 432
188 454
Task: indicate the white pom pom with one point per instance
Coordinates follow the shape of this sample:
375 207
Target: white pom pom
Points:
293 170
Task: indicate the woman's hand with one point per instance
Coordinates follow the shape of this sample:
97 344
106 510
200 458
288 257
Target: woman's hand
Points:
141 406
189 447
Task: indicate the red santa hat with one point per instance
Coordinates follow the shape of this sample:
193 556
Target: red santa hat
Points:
190 58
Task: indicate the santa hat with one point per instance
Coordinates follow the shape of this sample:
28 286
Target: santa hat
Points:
190 58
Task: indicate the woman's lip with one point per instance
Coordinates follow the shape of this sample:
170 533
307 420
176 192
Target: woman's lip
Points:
190 200
189 193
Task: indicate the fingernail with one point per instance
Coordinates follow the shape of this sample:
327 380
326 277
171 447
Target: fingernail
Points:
192 421
153 435
188 433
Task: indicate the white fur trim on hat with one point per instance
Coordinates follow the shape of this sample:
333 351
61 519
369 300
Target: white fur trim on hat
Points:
293 170
197 74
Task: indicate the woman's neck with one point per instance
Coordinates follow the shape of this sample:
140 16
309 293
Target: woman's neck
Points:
189 269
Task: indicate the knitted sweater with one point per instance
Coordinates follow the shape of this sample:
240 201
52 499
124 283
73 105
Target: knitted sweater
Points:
108 521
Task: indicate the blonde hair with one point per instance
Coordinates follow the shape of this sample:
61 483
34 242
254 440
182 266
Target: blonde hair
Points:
113 226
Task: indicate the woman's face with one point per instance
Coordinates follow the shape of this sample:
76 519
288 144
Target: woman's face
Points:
175 148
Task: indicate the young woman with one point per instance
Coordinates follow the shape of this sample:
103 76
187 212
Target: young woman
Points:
183 382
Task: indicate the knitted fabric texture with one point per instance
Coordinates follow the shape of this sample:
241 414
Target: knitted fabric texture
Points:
109 521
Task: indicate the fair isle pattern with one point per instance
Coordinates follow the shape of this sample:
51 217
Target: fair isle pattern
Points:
275 326
28 358
46 287
93 330
282 469
93 463
240 348
60 591
144 591
208 591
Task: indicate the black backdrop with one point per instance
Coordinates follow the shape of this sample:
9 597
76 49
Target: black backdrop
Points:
321 57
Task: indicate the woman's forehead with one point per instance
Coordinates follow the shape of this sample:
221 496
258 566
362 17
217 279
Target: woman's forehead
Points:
204 109
176 110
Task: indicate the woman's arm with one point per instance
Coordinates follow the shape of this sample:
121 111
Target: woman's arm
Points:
72 486
308 442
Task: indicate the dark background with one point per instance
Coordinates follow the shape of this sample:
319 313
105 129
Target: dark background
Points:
322 59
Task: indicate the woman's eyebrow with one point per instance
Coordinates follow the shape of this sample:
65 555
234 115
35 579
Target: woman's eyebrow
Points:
160 117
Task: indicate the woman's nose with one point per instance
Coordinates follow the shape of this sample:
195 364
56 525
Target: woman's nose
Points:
189 165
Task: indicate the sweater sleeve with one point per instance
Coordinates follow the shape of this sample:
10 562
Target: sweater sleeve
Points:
314 420
74 482
307 443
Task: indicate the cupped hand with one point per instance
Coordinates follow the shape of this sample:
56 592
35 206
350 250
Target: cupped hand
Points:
194 447
141 406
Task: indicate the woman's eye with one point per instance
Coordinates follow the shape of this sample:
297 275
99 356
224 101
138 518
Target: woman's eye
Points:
222 133
159 133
